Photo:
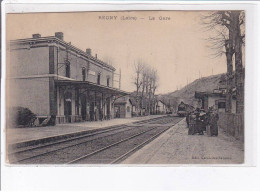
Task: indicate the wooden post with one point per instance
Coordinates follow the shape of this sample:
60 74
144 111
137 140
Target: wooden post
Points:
120 78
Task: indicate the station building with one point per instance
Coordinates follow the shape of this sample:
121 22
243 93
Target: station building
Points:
160 107
216 99
52 77
123 107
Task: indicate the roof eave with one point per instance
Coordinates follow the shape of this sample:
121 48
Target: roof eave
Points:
62 42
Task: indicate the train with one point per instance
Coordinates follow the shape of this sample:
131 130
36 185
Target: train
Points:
184 109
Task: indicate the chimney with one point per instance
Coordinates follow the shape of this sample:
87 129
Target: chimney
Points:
88 51
36 36
96 56
59 35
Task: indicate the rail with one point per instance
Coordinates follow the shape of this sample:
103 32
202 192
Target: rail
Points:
24 155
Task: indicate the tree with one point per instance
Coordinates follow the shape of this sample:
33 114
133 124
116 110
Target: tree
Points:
146 83
138 69
144 87
153 87
227 38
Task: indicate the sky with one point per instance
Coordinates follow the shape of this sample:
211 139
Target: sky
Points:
176 47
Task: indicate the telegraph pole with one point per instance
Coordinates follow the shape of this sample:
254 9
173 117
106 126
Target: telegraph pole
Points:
119 78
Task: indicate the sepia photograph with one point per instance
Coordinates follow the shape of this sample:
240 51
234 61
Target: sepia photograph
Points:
125 87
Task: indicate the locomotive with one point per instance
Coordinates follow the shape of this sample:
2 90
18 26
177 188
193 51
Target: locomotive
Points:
184 109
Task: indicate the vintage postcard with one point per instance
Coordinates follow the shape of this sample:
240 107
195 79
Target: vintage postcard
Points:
125 87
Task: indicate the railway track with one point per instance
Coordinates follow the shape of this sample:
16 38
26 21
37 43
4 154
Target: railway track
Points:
118 151
15 150
33 152
164 120
151 120
102 147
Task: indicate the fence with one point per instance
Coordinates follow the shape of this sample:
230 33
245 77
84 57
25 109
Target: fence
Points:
232 124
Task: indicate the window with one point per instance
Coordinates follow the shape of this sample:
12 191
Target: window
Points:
98 78
108 80
67 68
222 105
84 74
128 108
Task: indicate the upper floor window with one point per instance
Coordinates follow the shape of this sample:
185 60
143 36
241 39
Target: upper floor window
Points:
221 104
84 74
98 78
67 69
108 81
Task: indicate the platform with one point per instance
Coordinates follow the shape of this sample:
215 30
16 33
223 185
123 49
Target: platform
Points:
18 135
175 146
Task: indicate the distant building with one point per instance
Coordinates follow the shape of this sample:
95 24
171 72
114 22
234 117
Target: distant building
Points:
123 107
216 99
52 77
135 111
160 107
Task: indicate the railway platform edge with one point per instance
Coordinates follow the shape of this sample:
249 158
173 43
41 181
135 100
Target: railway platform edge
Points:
22 137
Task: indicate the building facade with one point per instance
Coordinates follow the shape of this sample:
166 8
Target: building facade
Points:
216 99
123 107
160 107
51 77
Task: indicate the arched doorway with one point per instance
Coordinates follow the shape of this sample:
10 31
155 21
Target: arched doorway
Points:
68 106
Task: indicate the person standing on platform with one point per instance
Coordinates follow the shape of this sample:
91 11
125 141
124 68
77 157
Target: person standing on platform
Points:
213 122
96 113
192 124
101 114
199 123
188 119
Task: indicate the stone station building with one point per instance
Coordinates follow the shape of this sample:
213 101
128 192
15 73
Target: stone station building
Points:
51 77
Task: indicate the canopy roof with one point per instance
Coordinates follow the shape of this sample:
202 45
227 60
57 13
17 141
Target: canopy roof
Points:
91 86
201 95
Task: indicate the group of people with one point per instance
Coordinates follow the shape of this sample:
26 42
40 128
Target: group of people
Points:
200 121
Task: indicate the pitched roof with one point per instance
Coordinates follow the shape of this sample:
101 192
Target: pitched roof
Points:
123 100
